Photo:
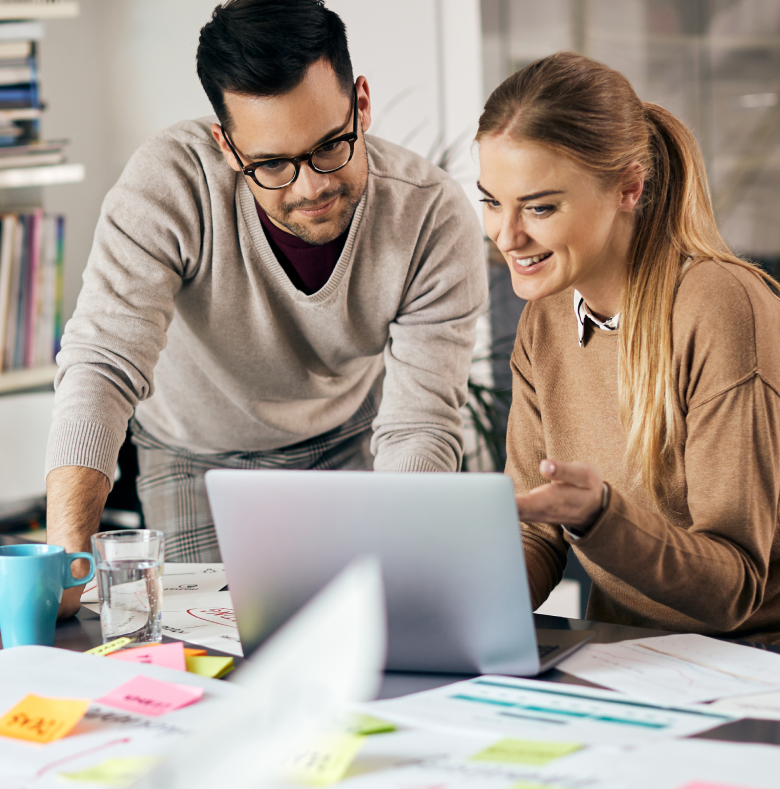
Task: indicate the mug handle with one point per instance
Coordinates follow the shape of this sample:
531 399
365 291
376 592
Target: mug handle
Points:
69 579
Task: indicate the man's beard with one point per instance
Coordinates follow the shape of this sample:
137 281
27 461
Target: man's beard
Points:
338 224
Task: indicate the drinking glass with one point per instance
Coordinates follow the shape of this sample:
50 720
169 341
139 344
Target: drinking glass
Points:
129 565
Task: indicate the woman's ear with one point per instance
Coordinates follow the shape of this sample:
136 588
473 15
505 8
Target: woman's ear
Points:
633 184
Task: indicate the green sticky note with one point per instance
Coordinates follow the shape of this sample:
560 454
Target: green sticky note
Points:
365 725
326 762
209 665
525 751
119 772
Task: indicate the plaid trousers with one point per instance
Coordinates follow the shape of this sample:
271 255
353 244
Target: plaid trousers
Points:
172 489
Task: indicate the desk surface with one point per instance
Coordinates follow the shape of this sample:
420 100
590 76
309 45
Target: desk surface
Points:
82 632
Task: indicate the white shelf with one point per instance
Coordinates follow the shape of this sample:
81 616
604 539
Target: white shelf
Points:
47 175
15 380
38 10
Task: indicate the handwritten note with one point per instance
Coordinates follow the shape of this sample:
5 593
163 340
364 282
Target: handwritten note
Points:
42 719
210 666
119 771
111 646
149 696
525 751
165 655
326 763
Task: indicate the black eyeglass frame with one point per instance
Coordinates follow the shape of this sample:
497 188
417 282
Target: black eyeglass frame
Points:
296 161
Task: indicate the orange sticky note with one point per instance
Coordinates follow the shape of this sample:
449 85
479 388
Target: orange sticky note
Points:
42 719
194 652
165 655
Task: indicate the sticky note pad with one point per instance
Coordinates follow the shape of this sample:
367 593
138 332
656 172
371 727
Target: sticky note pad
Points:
525 751
111 646
188 652
210 665
42 719
326 763
149 696
365 725
165 655
121 771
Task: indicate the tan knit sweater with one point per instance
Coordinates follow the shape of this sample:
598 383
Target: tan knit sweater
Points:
709 562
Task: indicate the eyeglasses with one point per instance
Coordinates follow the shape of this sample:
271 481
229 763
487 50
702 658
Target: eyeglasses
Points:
327 157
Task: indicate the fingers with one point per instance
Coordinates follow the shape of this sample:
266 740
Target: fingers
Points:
581 475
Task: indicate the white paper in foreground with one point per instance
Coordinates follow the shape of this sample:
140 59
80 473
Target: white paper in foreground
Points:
104 732
709 763
676 669
535 710
178 578
329 655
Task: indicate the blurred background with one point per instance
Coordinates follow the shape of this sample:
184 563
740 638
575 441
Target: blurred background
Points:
113 72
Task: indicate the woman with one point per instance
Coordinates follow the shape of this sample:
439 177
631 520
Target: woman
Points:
645 425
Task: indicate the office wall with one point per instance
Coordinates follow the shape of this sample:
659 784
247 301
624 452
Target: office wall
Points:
125 69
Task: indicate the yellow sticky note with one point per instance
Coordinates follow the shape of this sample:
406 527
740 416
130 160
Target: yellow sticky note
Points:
111 646
210 665
365 725
119 772
525 751
41 719
326 763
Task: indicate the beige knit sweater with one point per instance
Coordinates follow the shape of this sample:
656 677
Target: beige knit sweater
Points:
187 316
709 562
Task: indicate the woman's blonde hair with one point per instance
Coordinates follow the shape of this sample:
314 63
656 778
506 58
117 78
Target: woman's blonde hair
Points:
590 113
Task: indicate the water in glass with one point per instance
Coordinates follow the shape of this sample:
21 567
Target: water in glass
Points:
131 599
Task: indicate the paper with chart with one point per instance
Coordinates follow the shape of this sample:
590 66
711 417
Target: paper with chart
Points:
178 577
530 709
677 669
193 608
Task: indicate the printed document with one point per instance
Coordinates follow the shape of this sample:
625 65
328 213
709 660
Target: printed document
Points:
677 669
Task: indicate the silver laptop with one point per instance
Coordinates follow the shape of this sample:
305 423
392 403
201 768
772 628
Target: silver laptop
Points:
449 545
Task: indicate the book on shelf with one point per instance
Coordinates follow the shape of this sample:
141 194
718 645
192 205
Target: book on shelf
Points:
32 154
31 260
15 50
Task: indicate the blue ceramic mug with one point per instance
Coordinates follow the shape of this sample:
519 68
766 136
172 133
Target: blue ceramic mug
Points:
32 578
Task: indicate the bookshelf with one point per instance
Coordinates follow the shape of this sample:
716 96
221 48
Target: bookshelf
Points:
24 182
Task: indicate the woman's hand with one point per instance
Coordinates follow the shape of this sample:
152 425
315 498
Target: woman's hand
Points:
572 498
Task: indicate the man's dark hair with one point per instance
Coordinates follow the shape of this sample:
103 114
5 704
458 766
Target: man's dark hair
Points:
264 48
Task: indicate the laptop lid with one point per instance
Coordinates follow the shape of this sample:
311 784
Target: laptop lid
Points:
449 544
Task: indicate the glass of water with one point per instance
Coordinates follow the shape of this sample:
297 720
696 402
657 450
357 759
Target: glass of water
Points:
129 566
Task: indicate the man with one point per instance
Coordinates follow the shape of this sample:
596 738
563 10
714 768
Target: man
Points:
261 290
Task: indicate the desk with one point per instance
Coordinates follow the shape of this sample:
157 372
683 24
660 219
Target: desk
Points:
82 632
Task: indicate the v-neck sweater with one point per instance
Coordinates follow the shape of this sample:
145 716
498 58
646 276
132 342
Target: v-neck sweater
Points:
186 316
709 561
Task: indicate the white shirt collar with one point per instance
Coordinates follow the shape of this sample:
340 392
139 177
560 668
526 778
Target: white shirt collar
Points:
582 312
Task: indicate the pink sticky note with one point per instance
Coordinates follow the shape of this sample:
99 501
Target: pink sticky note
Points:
150 696
165 655
708 785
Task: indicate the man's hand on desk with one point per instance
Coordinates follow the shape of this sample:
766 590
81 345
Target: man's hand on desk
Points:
75 500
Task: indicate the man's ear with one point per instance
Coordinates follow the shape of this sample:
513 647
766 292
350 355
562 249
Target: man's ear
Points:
633 185
216 133
364 102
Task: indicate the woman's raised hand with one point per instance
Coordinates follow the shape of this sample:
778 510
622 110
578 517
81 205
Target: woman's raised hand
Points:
573 497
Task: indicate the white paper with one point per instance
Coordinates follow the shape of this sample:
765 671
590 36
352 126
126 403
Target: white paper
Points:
535 710
419 759
206 619
104 732
327 656
676 764
764 706
676 669
178 578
